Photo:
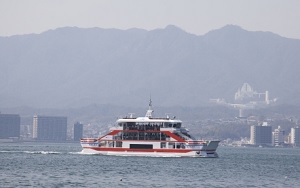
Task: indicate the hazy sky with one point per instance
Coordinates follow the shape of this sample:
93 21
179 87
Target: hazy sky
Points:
194 16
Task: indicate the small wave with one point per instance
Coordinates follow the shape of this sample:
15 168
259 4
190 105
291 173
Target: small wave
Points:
11 151
32 152
76 153
86 153
42 152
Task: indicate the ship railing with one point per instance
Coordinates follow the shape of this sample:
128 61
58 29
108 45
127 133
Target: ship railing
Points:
88 140
196 142
164 118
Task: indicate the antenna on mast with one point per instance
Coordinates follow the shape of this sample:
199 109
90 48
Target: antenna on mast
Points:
149 111
150 102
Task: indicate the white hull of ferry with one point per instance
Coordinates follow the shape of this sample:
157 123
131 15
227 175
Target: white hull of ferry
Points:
152 154
208 151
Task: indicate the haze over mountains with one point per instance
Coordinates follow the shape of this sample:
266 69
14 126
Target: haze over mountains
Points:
73 67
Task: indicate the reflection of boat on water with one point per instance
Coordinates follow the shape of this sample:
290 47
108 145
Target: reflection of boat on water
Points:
149 136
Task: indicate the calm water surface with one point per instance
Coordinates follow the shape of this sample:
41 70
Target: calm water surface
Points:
62 165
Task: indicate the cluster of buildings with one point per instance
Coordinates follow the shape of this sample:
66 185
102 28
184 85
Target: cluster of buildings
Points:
247 98
262 135
55 129
45 128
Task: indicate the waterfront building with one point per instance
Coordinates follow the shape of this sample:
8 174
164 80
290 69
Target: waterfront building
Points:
50 128
261 134
9 126
295 136
278 137
78 131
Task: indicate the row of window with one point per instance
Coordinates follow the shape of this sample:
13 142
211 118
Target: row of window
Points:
141 136
148 126
142 146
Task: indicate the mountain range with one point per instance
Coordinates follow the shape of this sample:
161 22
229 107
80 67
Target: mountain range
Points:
73 67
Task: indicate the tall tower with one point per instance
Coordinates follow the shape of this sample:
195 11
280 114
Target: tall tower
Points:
261 134
49 128
78 131
278 136
9 125
35 127
267 98
295 136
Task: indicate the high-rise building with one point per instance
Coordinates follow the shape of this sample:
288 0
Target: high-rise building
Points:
295 136
78 131
278 137
261 134
9 126
49 128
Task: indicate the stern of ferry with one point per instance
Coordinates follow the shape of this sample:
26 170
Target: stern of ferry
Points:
206 149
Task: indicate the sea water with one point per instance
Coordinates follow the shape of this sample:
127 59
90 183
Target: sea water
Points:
63 165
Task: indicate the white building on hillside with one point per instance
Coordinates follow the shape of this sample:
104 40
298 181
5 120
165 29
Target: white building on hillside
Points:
295 136
278 137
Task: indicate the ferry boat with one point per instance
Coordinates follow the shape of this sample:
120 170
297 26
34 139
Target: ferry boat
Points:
149 136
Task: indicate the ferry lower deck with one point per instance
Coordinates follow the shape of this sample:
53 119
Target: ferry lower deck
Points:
150 148
150 153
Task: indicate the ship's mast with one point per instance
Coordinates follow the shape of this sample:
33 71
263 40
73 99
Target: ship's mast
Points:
149 111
